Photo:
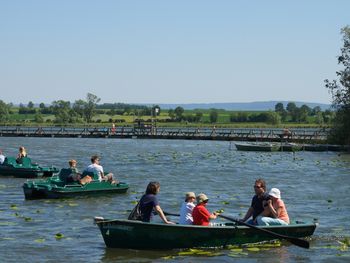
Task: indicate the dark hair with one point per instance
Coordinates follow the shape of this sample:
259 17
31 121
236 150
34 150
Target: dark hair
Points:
152 188
94 158
262 182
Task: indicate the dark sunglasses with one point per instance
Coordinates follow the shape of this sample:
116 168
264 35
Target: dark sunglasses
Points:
255 186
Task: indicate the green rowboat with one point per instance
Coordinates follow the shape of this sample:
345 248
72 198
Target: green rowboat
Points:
139 235
58 187
25 168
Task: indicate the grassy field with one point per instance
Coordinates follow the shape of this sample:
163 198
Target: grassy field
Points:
105 120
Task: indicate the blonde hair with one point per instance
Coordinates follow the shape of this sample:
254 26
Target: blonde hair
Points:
22 151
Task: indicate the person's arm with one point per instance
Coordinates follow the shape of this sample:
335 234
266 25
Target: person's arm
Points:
274 212
161 214
213 216
248 214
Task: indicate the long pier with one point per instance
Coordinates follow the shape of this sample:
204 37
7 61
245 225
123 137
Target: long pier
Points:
300 135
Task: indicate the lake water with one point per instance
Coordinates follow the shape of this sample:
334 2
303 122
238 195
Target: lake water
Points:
313 186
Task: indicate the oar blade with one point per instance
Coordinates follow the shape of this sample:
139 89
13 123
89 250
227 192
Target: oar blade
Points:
299 242
295 241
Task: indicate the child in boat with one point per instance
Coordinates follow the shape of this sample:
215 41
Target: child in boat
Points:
275 212
201 215
186 209
22 153
75 175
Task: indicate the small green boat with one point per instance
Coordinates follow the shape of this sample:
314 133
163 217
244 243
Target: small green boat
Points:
139 235
58 187
25 168
258 147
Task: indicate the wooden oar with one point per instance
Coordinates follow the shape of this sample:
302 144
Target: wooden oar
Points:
170 214
296 241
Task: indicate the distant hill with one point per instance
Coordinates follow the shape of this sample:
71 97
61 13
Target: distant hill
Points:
242 106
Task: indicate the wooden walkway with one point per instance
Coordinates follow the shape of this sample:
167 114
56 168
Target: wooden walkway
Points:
303 135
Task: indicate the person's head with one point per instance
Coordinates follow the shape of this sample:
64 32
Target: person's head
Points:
190 197
260 186
72 163
275 193
22 149
202 198
95 159
153 188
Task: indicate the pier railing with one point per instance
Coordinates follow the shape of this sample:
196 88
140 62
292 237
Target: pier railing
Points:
311 135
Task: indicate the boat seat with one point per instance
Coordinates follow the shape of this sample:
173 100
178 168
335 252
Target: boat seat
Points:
92 174
10 161
64 174
26 161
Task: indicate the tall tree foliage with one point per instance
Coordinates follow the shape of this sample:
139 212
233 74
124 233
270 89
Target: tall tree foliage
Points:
4 111
340 90
90 106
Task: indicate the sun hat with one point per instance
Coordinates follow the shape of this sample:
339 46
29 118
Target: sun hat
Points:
275 192
202 198
190 194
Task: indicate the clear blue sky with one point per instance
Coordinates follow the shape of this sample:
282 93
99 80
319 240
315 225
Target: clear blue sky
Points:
161 51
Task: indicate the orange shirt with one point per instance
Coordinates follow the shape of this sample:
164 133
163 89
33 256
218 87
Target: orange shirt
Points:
282 211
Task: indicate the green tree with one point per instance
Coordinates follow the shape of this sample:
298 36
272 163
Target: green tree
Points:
90 108
316 110
63 112
213 116
179 111
279 108
171 114
4 111
340 91
79 107
38 118
291 106
273 118
199 116
30 105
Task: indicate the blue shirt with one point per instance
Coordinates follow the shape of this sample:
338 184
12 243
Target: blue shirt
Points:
147 203
257 204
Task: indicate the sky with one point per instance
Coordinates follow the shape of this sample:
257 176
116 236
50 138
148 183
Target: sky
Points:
178 51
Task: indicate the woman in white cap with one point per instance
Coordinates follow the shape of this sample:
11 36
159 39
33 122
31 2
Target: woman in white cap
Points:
186 209
201 215
275 212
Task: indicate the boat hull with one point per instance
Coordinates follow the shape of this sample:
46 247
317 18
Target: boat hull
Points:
139 235
49 190
266 147
26 172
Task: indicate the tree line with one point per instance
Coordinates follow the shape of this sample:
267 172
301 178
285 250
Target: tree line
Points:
84 111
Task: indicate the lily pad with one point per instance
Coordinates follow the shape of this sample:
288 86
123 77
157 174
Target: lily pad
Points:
59 236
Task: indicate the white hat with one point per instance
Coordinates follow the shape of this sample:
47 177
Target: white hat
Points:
202 198
275 193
